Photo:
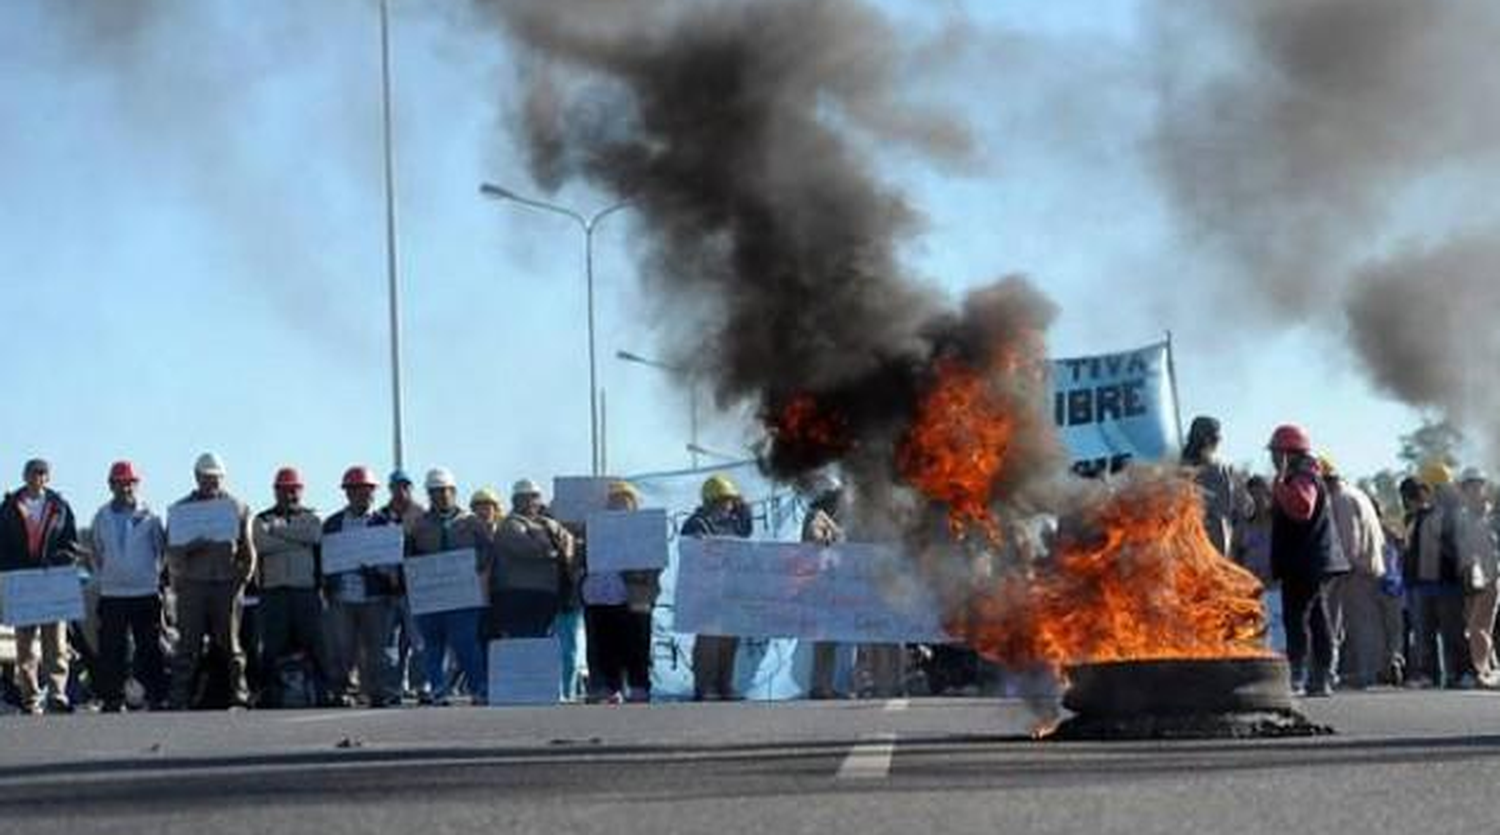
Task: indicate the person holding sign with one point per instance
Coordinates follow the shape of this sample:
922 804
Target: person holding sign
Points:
129 545
37 530
410 665
290 614
822 527
448 527
617 609
533 569
723 513
363 603
209 572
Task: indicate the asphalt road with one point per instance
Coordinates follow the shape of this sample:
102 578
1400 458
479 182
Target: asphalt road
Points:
1402 761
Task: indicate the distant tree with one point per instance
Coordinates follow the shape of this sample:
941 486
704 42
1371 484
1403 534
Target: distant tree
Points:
1433 440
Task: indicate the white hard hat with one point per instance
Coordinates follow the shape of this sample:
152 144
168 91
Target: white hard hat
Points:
439 478
525 487
824 483
210 465
1472 474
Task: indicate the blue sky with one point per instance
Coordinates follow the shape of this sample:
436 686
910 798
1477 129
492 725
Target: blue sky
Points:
192 251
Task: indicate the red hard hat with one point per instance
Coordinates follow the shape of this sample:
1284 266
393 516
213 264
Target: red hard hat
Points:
360 477
1290 438
123 472
288 477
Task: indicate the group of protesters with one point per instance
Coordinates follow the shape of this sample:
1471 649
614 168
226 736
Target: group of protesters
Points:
1360 595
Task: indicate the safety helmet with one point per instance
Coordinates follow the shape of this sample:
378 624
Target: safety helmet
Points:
209 464
439 478
1435 472
719 487
1472 475
1290 438
624 488
288 477
399 477
358 476
824 484
123 472
484 495
525 487
1328 467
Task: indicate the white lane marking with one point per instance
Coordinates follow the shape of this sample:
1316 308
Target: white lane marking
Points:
330 717
892 705
869 760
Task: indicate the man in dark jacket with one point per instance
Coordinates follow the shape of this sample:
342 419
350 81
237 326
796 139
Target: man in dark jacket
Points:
1305 556
723 513
37 530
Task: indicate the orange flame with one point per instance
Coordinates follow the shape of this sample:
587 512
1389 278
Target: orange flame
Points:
806 423
1140 581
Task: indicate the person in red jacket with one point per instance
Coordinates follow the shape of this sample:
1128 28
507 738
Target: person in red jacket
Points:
1305 556
37 530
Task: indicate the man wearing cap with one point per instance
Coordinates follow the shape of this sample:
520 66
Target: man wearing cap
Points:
534 572
287 536
1366 653
410 666
37 530
363 604
208 582
1433 571
1305 557
722 513
129 544
1482 580
448 527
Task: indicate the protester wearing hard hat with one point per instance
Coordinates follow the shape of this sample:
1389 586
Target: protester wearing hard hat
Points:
129 544
1433 571
290 613
446 526
485 505
1482 579
208 581
617 608
722 513
37 530
363 604
820 525
410 665
1367 619
534 557
1305 556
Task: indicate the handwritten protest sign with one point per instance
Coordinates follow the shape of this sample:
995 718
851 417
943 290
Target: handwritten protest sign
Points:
353 548
216 520
524 671
442 582
627 540
575 497
40 595
852 592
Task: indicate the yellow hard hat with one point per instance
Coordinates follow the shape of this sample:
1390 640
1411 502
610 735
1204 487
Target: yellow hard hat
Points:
1436 472
1327 466
624 488
719 487
485 495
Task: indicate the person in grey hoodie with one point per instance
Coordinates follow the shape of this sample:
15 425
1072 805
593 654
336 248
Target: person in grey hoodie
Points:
129 545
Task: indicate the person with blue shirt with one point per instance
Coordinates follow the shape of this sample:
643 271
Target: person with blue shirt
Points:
129 546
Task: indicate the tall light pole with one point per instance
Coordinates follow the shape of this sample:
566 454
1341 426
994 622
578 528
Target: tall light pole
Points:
390 235
588 224
694 450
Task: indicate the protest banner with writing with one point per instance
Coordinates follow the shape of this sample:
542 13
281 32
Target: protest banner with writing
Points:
627 540
575 497
216 520
353 548
442 582
40 595
524 671
1112 409
854 592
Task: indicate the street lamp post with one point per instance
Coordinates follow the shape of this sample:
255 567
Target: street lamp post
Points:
694 450
588 224
392 277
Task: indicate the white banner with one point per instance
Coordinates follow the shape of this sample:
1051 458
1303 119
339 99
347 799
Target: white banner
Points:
442 582
40 595
353 548
215 520
1112 409
626 541
525 671
852 592
575 497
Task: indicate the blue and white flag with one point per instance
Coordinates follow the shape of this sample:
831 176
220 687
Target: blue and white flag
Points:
1112 409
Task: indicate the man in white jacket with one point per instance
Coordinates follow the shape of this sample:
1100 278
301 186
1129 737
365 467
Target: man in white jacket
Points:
1363 634
129 544
1482 584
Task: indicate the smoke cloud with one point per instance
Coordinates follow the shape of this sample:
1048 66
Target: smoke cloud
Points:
1299 138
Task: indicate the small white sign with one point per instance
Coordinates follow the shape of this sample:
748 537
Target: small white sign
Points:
354 548
525 671
575 497
442 582
40 595
627 540
215 520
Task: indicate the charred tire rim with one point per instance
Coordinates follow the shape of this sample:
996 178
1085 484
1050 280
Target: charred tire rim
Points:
1228 685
